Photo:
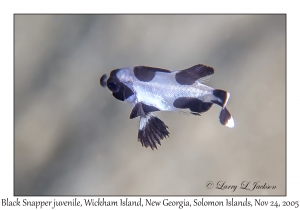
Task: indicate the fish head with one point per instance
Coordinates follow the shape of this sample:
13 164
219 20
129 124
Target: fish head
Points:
118 83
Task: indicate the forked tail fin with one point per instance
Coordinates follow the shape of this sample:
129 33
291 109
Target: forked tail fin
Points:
225 116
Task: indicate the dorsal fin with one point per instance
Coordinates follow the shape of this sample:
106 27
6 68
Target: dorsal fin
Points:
146 73
141 109
192 74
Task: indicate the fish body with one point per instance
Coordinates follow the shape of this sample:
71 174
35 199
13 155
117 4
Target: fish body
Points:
149 89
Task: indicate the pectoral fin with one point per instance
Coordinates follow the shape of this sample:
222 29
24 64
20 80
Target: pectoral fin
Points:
141 109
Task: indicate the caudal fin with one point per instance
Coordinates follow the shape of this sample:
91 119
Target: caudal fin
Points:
222 97
226 118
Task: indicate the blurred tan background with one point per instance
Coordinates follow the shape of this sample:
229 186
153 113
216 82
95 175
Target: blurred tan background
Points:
72 137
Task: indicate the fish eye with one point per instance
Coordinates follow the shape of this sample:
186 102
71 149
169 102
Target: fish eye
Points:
113 86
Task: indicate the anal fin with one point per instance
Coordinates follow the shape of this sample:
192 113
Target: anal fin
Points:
151 131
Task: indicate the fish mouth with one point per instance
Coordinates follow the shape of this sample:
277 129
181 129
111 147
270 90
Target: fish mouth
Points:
103 80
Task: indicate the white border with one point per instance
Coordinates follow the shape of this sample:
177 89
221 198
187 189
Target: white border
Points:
293 52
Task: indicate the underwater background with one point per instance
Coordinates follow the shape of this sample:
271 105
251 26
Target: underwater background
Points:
72 137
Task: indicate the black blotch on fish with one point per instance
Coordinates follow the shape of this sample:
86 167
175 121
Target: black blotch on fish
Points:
194 104
154 131
113 73
191 75
103 80
224 116
123 93
145 73
141 109
222 95
113 84
120 90
217 102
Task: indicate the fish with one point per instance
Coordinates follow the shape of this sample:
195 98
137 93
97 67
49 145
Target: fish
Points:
150 89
